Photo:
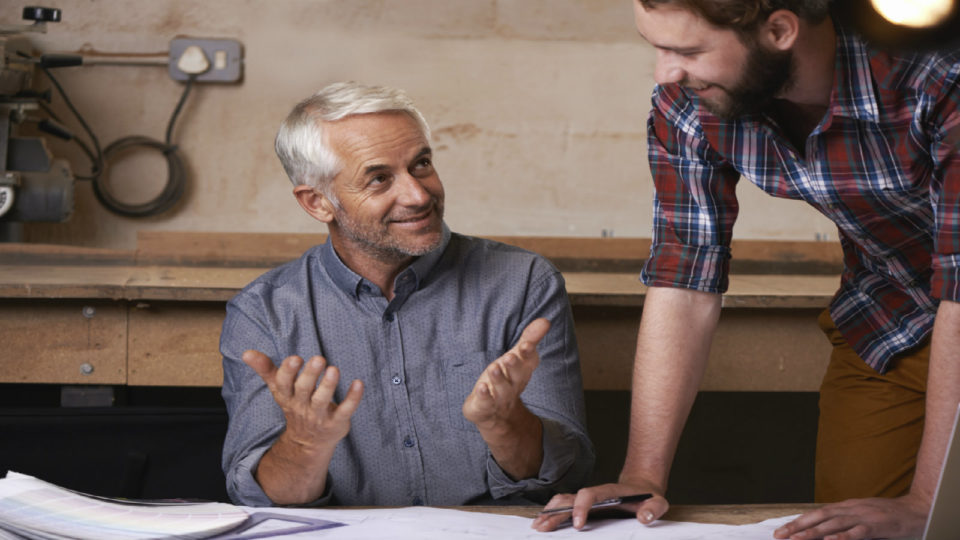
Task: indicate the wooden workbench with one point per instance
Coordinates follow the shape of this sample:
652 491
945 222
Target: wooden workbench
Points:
151 317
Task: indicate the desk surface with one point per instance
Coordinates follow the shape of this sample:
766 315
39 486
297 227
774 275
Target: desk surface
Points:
729 514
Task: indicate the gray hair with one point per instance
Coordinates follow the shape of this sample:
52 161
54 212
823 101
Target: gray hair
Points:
301 144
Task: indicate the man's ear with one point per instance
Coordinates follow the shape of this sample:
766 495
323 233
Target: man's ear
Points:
314 202
781 30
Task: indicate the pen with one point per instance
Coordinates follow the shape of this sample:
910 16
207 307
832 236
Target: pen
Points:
601 504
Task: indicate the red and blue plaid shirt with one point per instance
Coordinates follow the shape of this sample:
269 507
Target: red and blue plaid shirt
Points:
882 164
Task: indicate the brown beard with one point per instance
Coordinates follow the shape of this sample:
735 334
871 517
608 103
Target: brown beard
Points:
766 74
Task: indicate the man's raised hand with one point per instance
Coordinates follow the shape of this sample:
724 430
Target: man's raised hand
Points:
496 394
313 419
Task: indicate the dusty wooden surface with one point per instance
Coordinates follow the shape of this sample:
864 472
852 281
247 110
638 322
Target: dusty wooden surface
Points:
205 283
157 311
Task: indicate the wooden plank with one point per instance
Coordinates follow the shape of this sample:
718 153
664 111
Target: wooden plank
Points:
767 350
753 350
745 291
780 291
21 253
735 514
200 283
186 283
568 253
49 342
729 514
175 344
233 249
264 250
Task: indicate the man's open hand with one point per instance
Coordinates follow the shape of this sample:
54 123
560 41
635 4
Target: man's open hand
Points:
856 519
314 421
496 395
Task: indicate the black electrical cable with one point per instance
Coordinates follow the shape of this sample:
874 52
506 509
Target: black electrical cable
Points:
176 171
80 142
96 166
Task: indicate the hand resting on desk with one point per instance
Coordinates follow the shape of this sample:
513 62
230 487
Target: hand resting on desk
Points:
294 470
647 511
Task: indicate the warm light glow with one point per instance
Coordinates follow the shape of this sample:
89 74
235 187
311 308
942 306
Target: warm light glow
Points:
914 13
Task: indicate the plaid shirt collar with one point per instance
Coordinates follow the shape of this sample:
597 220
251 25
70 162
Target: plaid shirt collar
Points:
854 94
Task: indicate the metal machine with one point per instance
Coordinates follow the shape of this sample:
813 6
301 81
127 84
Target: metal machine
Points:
33 185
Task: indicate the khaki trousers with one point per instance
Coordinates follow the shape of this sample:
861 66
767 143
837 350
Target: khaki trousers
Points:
870 424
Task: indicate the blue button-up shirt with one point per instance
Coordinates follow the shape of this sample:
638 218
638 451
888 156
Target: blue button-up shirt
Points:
455 310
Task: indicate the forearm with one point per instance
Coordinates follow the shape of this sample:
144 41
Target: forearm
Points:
293 473
517 443
943 394
673 345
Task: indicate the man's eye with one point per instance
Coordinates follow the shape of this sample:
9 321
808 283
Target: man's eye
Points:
379 179
423 164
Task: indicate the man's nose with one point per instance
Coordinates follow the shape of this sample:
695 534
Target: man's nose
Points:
668 69
413 192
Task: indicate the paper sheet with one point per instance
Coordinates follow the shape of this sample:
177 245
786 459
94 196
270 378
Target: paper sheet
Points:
37 509
442 524
43 510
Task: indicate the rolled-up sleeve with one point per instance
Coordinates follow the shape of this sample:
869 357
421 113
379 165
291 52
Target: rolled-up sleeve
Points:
695 203
255 420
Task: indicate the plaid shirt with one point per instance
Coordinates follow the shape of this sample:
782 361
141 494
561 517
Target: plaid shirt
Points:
882 164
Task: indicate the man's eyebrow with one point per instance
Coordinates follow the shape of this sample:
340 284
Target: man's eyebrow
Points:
375 168
380 167
677 50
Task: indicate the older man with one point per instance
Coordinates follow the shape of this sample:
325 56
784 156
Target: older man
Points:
466 383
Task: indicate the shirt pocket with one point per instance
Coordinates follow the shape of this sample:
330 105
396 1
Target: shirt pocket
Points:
459 376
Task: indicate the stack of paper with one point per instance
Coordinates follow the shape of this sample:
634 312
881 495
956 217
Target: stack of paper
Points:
31 508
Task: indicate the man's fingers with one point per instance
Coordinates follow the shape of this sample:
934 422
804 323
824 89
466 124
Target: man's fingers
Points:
647 511
549 522
483 394
260 363
581 507
532 335
350 403
805 521
286 374
651 509
323 395
307 380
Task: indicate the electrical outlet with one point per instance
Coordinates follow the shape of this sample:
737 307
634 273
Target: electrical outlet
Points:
210 59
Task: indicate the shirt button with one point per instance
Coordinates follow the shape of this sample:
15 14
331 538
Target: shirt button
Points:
388 317
396 379
408 442
417 501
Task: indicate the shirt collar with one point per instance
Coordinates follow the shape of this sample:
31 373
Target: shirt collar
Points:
854 94
350 282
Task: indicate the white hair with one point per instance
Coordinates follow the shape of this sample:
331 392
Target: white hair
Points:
301 144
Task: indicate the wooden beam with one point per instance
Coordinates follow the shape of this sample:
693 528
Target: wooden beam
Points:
202 284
